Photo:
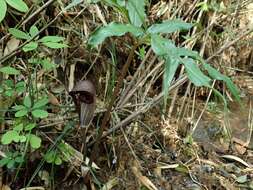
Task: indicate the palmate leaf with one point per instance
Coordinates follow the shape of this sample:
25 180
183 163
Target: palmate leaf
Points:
113 29
136 12
169 26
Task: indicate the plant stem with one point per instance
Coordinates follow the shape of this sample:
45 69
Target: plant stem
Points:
107 115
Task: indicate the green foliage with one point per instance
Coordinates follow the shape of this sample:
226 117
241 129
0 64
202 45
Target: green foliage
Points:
56 156
113 29
9 70
37 110
19 5
45 63
8 88
164 48
136 12
54 42
22 134
169 26
11 160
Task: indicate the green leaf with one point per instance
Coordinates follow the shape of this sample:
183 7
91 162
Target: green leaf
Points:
113 29
30 126
195 74
35 141
136 11
30 46
9 136
49 156
38 113
51 39
47 64
4 161
171 66
215 74
27 101
73 4
19 159
54 45
9 70
11 164
161 46
232 88
58 160
40 103
21 113
19 107
18 127
33 31
3 8
19 34
18 5
22 138
169 26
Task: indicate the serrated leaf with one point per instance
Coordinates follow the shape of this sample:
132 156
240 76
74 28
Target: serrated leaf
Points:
3 8
54 45
9 70
19 5
195 74
35 141
51 39
40 103
136 11
33 31
171 65
113 29
161 46
169 26
27 101
21 113
38 113
19 34
30 126
9 136
30 46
